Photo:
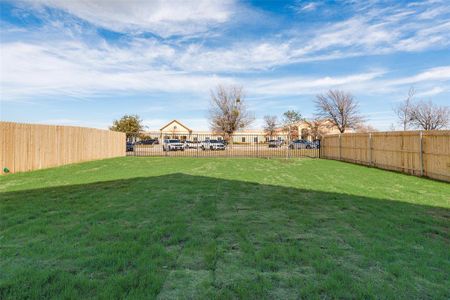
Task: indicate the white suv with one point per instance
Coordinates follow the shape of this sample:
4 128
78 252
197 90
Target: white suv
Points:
213 145
173 145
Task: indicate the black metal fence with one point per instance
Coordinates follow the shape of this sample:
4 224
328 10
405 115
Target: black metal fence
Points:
207 145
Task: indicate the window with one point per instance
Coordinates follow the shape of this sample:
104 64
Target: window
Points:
219 138
279 138
243 139
267 138
195 138
255 139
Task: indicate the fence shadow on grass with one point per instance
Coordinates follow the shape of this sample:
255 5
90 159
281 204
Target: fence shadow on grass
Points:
198 237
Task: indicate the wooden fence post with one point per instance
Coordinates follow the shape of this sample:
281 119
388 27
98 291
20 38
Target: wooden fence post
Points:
340 147
370 149
421 152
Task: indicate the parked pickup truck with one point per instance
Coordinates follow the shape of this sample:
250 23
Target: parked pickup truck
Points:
173 145
213 145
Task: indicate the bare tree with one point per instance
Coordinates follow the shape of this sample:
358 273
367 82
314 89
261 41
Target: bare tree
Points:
316 128
428 116
403 110
270 125
340 108
290 120
304 133
228 112
365 128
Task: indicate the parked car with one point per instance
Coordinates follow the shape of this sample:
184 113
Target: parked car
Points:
173 145
213 145
192 144
315 144
275 143
130 146
148 142
300 144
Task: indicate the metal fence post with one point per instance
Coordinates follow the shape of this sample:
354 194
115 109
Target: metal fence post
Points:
421 152
165 152
320 148
257 148
287 147
197 145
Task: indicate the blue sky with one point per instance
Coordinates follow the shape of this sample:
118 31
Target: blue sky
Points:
89 62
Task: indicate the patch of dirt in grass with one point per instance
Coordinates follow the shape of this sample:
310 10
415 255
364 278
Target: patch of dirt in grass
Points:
440 214
437 234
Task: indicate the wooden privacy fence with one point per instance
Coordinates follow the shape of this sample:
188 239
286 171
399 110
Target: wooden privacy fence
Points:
26 147
421 153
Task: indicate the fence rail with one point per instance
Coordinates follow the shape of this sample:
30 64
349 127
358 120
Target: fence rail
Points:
26 147
421 153
202 145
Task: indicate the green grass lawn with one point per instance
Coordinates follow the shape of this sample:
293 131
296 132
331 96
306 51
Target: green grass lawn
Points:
223 228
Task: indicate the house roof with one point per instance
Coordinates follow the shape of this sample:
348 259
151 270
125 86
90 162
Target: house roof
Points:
175 121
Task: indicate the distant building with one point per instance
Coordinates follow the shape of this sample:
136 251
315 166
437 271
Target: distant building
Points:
177 130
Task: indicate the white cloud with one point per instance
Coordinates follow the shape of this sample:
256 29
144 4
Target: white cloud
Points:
307 85
432 92
373 82
372 31
355 32
70 69
304 6
434 74
309 6
435 12
174 17
241 57
77 70
48 64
